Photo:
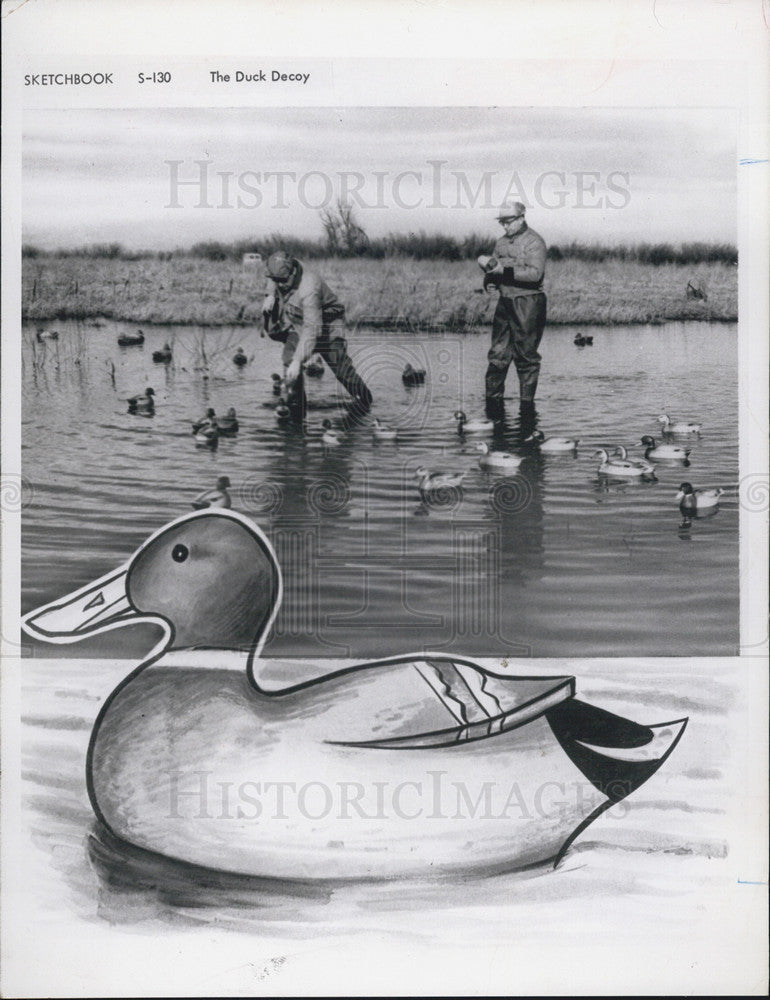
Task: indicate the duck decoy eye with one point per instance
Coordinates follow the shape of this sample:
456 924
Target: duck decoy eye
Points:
179 553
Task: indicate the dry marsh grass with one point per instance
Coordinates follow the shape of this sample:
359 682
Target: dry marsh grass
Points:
418 293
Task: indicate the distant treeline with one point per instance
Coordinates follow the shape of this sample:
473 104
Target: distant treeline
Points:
417 246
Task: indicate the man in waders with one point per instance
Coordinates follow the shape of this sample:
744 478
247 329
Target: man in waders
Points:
305 315
516 270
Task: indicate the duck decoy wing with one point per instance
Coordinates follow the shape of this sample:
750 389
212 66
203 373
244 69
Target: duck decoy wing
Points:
427 700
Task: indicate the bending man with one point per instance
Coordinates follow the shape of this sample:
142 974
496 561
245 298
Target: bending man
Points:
305 315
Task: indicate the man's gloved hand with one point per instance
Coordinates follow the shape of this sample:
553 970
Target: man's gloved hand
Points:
292 372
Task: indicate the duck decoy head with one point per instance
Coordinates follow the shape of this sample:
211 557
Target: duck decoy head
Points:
210 578
648 441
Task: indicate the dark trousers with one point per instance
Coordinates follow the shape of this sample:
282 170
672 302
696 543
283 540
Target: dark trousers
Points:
334 351
517 328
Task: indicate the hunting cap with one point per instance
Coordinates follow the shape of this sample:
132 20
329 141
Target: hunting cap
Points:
280 265
511 209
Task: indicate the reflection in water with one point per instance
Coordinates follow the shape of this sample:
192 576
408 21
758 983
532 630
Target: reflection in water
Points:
546 559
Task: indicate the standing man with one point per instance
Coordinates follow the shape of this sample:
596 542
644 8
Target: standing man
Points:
517 270
305 315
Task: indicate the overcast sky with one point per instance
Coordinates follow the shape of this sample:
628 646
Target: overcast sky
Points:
593 175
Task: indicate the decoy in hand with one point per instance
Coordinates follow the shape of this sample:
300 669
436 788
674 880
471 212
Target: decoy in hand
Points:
314 368
215 497
187 752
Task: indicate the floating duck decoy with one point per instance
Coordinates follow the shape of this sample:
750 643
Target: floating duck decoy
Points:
228 425
553 443
413 376
647 467
204 420
162 357
693 500
497 461
330 437
582 341
239 358
277 384
204 715
314 368
131 339
622 465
680 427
667 452
480 425
43 335
207 435
432 482
282 413
215 497
142 403
384 433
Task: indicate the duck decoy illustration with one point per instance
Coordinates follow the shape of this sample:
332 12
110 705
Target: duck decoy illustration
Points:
582 341
228 425
43 335
131 339
621 465
691 500
330 437
162 357
497 461
204 420
277 384
143 403
678 427
413 376
553 443
384 433
189 753
239 358
215 497
479 425
665 452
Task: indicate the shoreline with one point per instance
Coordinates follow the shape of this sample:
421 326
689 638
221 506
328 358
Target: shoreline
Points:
395 294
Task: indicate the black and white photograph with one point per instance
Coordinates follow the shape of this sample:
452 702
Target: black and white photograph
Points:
384 519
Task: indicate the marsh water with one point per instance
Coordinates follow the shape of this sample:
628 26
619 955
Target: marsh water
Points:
551 560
